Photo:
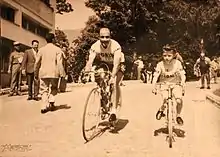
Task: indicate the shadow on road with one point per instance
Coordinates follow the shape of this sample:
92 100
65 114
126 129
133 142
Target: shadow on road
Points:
178 132
119 126
60 107
104 126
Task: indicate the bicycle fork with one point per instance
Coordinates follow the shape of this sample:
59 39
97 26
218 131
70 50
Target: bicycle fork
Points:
170 120
170 117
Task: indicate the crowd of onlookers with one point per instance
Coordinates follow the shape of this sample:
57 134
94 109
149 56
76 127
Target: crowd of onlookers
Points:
23 63
204 68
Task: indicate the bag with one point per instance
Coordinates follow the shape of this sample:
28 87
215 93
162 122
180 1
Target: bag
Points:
62 84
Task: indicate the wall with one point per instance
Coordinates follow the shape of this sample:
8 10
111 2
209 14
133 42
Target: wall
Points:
38 8
34 9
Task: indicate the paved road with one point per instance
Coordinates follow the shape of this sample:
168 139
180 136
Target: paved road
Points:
58 134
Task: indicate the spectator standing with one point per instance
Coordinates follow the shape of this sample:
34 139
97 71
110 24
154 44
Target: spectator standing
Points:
48 68
15 61
28 62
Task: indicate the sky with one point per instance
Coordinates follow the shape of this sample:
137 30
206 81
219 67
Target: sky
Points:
75 19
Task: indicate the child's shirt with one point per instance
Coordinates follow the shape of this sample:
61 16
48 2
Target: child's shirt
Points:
172 72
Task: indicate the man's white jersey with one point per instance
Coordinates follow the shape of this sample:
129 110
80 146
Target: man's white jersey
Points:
105 54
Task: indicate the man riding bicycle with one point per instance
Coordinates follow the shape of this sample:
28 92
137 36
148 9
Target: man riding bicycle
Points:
108 51
170 70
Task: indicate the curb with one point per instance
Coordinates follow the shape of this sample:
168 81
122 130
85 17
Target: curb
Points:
5 91
213 98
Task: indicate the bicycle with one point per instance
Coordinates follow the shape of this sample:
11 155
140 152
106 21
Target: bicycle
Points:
104 92
170 120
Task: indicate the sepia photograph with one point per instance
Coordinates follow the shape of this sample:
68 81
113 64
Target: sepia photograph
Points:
109 78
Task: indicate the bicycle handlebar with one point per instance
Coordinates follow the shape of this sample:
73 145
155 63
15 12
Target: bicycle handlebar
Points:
170 85
97 72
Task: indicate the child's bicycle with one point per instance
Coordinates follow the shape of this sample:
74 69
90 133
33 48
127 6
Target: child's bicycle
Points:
100 110
170 119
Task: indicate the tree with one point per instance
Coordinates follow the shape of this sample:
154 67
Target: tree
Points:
61 39
62 6
145 26
117 15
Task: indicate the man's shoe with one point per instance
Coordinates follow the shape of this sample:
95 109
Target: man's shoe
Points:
52 106
36 98
10 94
29 98
179 120
112 117
19 93
202 87
208 87
159 115
43 111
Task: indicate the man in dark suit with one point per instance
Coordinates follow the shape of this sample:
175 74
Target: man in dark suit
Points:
28 64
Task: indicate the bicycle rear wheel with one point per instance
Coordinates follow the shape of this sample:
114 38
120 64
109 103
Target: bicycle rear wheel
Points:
91 115
170 123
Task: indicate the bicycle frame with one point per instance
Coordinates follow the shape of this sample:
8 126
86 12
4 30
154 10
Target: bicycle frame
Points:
170 99
170 112
102 80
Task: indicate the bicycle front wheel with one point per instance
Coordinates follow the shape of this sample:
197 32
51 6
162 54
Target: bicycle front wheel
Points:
91 115
170 123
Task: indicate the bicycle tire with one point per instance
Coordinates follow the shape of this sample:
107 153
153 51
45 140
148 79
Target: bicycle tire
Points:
85 136
170 123
113 101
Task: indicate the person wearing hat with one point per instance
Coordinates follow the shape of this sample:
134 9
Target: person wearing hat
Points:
203 63
15 60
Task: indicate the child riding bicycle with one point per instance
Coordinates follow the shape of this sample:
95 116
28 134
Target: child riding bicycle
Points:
170 70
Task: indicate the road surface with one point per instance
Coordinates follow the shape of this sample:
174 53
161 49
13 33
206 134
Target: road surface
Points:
25 132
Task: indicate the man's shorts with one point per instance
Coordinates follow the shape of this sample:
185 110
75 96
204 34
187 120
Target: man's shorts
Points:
177 92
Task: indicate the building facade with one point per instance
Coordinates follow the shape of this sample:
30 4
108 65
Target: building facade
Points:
23 21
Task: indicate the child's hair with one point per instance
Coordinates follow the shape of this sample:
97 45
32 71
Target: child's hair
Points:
168 48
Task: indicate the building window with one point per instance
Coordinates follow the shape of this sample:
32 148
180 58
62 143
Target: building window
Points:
25 23
7 13
34 27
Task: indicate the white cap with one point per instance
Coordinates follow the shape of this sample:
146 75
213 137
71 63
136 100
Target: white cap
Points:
16 43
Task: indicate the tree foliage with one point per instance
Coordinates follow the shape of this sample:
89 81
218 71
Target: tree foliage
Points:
62 6
145 26
62 41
